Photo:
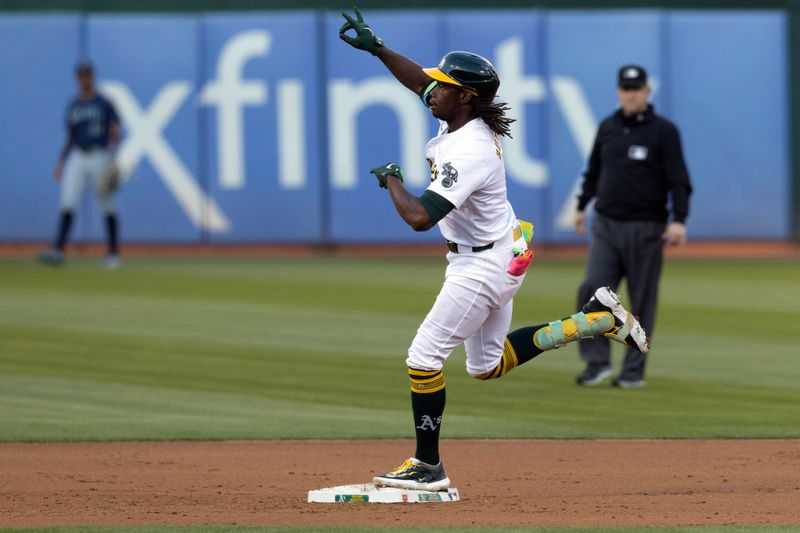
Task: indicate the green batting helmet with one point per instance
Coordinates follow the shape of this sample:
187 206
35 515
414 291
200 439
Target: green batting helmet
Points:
471 72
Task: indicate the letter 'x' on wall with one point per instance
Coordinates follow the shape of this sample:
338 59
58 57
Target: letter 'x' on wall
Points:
145 139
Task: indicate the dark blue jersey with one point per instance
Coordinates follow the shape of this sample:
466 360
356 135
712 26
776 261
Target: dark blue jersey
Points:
88 122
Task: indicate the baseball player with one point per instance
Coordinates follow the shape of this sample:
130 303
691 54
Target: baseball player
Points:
87 158
488 252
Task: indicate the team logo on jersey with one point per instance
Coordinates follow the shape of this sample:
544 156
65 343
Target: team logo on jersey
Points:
428 423
449 175
638 153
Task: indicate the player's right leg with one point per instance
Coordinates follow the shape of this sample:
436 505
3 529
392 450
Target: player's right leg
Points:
73 184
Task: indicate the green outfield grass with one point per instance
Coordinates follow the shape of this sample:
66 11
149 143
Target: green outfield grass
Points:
315 348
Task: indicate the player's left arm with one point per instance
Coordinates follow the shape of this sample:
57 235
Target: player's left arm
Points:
408 205
111 177
114 129
114 134
419 212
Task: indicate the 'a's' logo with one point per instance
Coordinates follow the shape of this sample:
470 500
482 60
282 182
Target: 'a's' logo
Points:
427 423
449 175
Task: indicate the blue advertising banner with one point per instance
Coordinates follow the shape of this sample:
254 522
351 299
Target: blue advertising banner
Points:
37 73
373 119
728 95
154 88
237 130
260 103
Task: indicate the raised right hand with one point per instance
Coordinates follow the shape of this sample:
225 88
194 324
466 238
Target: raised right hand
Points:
365 38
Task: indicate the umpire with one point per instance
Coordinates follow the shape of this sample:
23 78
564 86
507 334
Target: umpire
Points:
636 164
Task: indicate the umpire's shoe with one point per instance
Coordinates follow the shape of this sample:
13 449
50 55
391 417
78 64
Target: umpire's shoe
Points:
627 383
416 475
54 257
627 329
594 374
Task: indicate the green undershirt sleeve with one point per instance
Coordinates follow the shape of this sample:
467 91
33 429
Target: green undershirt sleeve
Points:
436 205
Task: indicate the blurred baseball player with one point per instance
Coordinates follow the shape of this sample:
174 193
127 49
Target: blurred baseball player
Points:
488 252
87 159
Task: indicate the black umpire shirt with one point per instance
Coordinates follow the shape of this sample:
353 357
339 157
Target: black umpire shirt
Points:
635 163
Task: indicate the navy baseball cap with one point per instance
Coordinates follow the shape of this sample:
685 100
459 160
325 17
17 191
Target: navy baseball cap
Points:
632 76
84 66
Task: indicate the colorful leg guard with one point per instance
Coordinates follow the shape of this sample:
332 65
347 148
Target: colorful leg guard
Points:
579 326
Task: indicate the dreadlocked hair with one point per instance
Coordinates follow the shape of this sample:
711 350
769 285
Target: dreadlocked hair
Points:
494 115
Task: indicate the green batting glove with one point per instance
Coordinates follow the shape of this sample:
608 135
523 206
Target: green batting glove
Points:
389 169
365 38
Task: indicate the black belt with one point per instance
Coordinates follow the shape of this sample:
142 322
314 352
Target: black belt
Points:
515 236
453 247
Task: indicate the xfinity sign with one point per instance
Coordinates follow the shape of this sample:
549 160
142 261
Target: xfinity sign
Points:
261 127
232 96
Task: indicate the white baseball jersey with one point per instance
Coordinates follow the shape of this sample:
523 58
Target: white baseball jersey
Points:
475 304
467 169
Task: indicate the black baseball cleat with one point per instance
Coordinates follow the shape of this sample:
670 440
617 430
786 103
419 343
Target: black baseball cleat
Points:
416 475
627 329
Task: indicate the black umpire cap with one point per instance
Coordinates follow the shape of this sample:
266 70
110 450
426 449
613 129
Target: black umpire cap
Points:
632 76
84 66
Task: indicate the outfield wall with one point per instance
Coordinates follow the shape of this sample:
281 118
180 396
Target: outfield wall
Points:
261 126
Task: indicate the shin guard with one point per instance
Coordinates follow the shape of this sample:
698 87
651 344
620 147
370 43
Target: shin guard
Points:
578 326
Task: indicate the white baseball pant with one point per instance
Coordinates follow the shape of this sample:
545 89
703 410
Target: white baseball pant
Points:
473 307
84 168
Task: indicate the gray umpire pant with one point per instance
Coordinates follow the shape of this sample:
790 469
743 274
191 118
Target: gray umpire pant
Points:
633 250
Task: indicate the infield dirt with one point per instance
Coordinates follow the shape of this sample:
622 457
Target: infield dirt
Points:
503 482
